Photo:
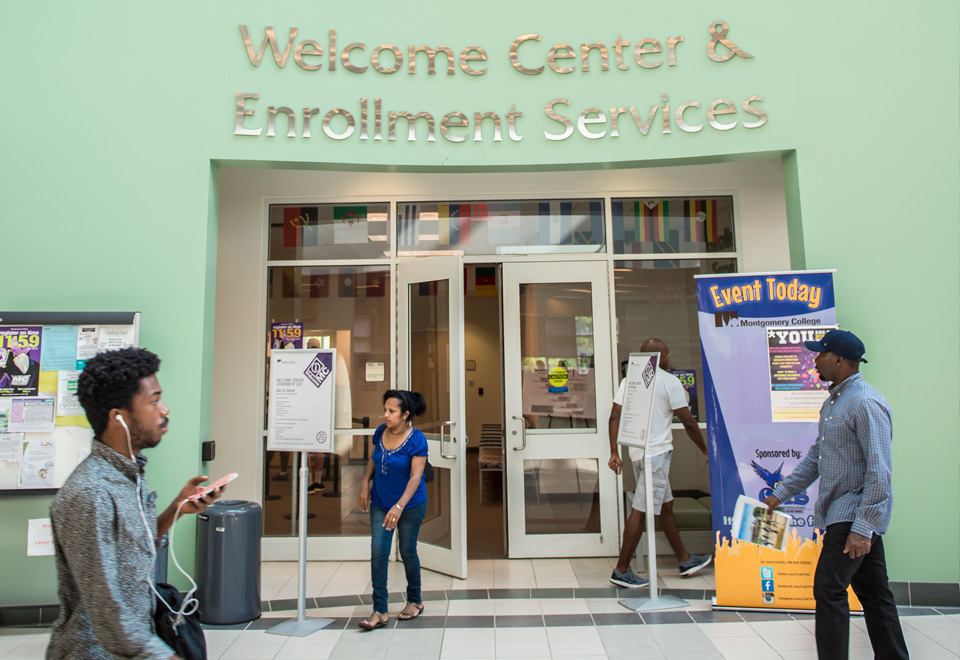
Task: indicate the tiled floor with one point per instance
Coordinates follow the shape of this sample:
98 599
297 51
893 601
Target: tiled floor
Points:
562 608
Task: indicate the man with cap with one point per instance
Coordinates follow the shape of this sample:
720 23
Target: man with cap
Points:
852 459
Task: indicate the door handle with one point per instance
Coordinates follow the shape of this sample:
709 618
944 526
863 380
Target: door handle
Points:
523 433
449 423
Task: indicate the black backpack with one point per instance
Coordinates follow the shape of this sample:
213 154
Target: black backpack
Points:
183 634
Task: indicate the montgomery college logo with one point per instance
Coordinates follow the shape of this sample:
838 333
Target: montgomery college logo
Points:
319 368
648 372
722 319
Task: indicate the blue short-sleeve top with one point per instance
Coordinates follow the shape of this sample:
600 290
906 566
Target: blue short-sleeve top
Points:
391 470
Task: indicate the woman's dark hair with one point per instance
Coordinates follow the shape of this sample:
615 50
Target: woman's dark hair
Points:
111 380
410 402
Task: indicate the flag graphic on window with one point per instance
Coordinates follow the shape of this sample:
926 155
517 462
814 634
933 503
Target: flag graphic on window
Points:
650 218
375 285
348 283
486 280
454 223
350 214
300 226
556 225
318 286
289 283
408 228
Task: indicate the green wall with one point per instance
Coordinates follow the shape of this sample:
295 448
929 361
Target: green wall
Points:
116 119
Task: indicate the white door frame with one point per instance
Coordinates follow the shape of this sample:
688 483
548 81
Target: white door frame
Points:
447 444
591 444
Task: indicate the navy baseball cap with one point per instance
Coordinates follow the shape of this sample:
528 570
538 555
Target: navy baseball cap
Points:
839 342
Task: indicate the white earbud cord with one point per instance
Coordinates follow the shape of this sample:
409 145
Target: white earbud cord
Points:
190 604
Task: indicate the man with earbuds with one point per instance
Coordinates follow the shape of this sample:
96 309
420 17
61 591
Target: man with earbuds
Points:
105 522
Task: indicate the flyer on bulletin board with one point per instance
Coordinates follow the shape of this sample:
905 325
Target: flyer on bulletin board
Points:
20 360
286 335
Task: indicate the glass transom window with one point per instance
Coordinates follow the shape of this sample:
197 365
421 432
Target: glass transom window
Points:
329 231
672 225
502 227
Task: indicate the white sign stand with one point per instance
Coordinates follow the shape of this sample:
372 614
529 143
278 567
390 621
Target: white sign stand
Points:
635 421
301 418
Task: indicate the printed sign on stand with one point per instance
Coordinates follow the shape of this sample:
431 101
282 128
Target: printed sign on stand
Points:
638 399
301 400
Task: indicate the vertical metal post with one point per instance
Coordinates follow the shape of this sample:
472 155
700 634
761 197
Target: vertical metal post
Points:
301 626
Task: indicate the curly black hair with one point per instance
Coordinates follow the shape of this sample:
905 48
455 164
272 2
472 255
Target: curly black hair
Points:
110 380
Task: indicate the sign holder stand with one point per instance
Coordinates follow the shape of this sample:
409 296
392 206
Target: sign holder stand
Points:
300 414
655 602
302 625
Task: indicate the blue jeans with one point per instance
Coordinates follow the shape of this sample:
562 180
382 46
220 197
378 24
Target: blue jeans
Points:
408 528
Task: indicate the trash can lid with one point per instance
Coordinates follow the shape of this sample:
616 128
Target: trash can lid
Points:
226 506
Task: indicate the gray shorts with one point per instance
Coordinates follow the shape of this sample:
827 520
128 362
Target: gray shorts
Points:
661 483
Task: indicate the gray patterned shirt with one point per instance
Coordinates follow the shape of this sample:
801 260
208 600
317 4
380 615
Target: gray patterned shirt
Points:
105 562
853 459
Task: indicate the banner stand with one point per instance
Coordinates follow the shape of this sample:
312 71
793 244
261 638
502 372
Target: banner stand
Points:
302 625
655 602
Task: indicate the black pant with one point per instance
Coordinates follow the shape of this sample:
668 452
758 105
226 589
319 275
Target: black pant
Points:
868 577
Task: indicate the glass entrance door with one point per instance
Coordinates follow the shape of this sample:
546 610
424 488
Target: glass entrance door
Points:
430 361
561 497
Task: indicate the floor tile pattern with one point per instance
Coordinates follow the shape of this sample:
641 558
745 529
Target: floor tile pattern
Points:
531 609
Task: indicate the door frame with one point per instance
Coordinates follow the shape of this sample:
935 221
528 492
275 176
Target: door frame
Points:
448 447
521 544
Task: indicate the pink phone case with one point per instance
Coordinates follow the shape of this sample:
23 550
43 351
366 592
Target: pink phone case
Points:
217 484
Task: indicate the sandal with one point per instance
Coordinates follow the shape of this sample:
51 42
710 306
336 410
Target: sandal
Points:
406 615
368 624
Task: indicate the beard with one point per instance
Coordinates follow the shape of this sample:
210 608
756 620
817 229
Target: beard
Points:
144 438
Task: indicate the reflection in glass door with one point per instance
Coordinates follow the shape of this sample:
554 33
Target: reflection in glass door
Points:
558 383
429 361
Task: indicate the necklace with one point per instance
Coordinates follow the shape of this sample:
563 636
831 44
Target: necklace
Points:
387 453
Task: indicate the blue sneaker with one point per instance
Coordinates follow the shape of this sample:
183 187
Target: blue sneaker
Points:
695 563
630 580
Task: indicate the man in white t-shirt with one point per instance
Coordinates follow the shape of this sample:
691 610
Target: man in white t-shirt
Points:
669 399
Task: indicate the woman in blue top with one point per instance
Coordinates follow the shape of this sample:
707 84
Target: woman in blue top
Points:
397 499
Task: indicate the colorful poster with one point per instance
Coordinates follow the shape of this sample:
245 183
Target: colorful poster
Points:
796 391
688 378
749 451
286 335
20 349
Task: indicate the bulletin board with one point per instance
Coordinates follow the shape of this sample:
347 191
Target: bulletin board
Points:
44 434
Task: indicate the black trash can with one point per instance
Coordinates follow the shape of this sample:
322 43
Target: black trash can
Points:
228 562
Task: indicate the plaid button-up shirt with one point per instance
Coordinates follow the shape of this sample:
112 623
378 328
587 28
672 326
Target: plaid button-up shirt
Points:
852 458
